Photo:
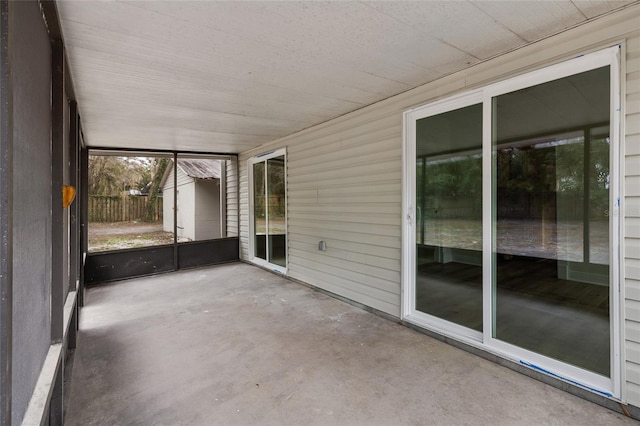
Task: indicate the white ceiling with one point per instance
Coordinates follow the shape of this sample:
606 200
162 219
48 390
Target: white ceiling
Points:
229 76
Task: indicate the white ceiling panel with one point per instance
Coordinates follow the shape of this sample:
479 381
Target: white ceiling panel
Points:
550 16
458 24
229 76
593 8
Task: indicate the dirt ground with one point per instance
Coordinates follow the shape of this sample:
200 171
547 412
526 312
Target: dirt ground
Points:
122 235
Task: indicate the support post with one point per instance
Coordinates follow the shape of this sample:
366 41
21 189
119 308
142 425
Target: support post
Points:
6 223
223 198
83 194
58 99
74 222
74 247
175 212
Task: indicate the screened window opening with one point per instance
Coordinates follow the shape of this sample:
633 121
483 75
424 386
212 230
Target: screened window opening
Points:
145 200
126 204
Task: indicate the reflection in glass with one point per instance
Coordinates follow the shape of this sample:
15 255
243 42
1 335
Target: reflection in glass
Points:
551 194
449 216
599 196
259 211
277 211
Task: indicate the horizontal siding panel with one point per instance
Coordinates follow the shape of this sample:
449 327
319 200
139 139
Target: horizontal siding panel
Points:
347 191
632 207
335 285
632 331
633 351
346 200
633 43
340 160
169 181
233 207
632 227
632 248
346 127
366 263
632 311
373 148
633 104
633 393
632 186
183 179
363 228
349 235
357 172
632 269
632 164
632 145
382 178
633 60
352 132
319 151
633 82
632 289
353 246
346 208
346 168
633 124
363 283
633 372
373 220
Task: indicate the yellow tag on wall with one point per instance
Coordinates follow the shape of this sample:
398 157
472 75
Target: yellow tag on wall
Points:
68 195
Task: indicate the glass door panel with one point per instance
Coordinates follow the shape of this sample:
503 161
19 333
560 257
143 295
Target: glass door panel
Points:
550 195
269 213
259 211
449 216
276 225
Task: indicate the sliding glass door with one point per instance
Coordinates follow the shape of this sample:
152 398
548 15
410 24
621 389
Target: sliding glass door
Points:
269 210
449 213
551 189
509 238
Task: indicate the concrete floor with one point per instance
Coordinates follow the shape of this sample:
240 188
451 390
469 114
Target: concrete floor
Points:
234 344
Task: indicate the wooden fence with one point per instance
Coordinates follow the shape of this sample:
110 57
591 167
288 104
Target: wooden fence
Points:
122 208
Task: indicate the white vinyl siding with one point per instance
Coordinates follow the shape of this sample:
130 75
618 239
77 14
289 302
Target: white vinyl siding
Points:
185 189
345 181
631 205
243 203
232 197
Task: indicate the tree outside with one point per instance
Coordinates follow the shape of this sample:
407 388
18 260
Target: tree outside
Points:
125 202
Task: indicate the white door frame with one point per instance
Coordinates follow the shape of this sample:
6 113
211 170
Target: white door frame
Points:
610 387
262 158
